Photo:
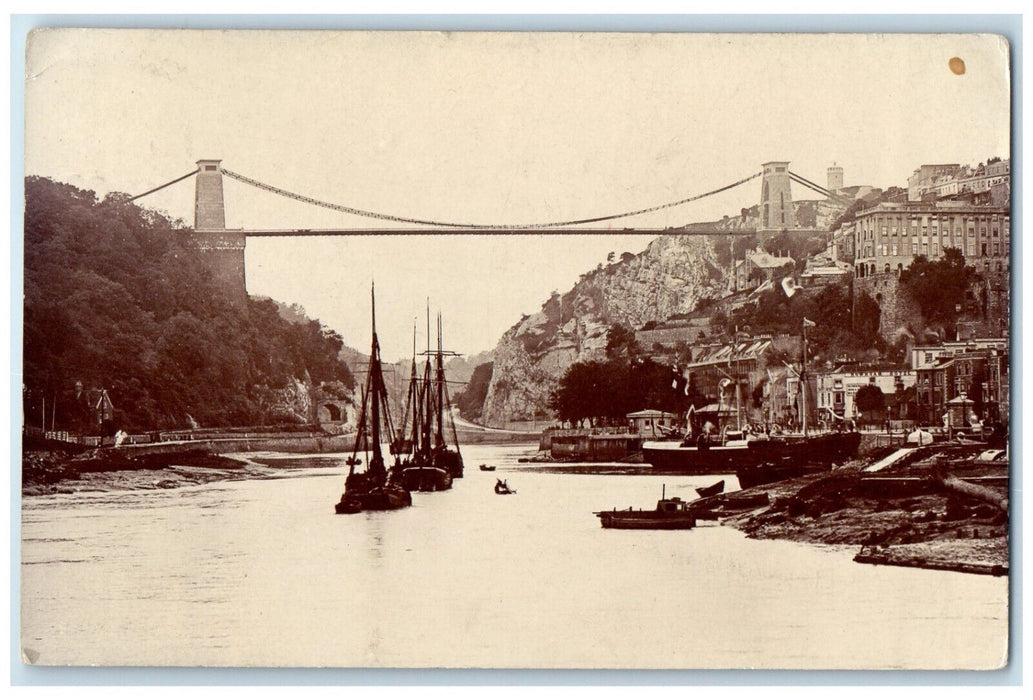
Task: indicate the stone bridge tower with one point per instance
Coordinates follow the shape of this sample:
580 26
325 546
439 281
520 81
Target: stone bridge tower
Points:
223 248
776 198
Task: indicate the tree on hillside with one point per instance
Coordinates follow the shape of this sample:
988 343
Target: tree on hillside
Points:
779 244
742 245
850 214
621 343
806 215
841 330
939 287
866 317
580 392
608 391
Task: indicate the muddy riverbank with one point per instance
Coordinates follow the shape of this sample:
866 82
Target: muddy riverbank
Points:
915 515
57 471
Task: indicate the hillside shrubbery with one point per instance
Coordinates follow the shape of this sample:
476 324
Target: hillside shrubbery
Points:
117 299
842 330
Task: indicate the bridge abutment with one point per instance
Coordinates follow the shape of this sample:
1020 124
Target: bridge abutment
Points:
224 254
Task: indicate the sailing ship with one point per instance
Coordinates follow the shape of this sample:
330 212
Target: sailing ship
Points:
761 456
430 463
372 488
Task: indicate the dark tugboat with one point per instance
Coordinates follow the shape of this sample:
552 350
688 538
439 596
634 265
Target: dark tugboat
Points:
670 514
430 463
372 488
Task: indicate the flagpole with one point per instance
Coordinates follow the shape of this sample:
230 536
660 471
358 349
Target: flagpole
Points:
803 379
771 401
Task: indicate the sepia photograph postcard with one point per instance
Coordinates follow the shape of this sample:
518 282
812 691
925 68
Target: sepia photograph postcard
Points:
515 350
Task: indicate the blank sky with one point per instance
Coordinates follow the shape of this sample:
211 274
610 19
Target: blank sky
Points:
489 128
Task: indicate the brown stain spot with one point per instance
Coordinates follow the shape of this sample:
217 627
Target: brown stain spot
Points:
957 66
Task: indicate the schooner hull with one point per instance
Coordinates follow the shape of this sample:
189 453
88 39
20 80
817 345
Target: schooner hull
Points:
821 449
426 479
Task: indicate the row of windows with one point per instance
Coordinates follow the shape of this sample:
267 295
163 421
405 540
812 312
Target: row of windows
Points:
946 231
932 248
988 266
915 219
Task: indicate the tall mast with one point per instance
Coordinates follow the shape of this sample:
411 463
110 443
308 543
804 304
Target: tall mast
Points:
733 369
771 401
361 438
440 436
425 403
376 388
413 398
738 407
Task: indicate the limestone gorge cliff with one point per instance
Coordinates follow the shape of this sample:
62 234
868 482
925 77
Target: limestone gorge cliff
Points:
671 276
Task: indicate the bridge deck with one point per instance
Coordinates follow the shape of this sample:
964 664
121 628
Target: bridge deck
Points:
652 232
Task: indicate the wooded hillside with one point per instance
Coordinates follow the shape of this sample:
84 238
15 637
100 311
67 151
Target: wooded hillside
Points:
117 299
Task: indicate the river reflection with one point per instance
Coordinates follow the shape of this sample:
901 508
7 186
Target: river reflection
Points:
261 572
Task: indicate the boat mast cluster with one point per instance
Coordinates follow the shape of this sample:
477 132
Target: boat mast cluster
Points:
424 460
429 461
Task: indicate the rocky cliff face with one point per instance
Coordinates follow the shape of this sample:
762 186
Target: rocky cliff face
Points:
671 276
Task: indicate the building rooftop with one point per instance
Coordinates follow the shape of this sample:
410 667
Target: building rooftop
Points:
868 369
721 354
651 413
974 343
940 205
766 260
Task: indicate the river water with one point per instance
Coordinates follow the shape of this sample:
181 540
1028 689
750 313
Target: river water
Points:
260 572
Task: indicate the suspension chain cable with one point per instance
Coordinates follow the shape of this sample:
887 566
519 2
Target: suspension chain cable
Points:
407 220
161 187
818 188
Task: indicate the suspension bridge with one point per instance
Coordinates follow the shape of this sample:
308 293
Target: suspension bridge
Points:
226 245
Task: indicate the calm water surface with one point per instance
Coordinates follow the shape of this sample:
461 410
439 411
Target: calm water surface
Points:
261 572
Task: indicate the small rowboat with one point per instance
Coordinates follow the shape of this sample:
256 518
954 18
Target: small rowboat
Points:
711 490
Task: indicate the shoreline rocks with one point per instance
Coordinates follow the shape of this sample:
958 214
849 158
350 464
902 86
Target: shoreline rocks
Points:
933 527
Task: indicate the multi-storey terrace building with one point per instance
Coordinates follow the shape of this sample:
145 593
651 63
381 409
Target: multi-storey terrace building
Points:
925 356
842 243
890 235
962 180
925 176
836 389
977 370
